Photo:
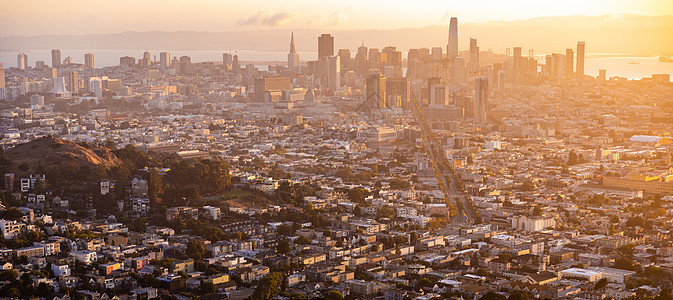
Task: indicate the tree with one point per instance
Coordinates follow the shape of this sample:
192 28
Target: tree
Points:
297 296
8 275
196 249
385 212
624 264
425 282
334 295
208 288
492 296
11 213
267 286
283 246
600 284
665 294
303 240
518 296
155 186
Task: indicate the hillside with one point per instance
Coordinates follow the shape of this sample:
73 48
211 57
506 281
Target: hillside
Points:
47 151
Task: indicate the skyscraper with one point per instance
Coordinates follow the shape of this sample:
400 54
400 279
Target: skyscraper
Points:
501 81
325 45
376 91
345 58
474 58
22 61
361 59
55 58
72 82
570 57
480 99
89 61
185 64
516 59
59 85
147 59
293 56
50 73
452 47
226 58
398 92
164 60
235 64
334 73
580 59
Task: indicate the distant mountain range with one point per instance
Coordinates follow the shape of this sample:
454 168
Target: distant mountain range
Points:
632 34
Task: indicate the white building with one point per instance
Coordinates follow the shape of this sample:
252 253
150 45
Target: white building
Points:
213 212
60 270
584 274
50 248
84 256
614 275
11 229
532 224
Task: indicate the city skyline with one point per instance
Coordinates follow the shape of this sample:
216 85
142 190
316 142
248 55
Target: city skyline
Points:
304 155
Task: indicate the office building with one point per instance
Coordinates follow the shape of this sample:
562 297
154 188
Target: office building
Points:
517 62
22 61
147 59
293 56
334 73
89 61
580 59
437 53
602 75
398 92
37 100
361 59
325 45
72 81
501 81
345 58
570 57
67 61
457 71
49 73
474 58
452 47
439 95
96 86
270 84
375 91
39 64
55 58
127 61
59 86
480 99
235 64
227 59
165 60
185 65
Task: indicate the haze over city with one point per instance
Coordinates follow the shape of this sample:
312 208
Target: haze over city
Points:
288 150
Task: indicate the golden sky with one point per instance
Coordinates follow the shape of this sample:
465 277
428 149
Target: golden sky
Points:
35 17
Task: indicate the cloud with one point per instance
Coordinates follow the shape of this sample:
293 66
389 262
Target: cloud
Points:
266 19
337 17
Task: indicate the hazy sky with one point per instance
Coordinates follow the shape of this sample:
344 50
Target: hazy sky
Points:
36 17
